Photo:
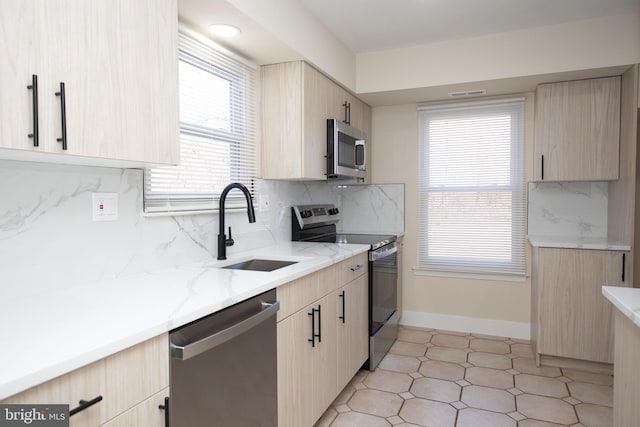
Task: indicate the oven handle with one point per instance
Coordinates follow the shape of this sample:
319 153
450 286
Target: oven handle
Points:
383 252
193 349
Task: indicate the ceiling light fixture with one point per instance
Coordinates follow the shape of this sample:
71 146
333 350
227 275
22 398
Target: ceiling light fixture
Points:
224 30
468 93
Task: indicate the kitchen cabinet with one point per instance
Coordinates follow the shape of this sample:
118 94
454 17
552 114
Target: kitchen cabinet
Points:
626 371
577 130
571 318
123 380
118 62
318 353
146 413
297 100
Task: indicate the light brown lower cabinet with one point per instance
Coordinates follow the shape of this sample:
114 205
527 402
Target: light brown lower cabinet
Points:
626 387
318 353
570 316
146 413
123 380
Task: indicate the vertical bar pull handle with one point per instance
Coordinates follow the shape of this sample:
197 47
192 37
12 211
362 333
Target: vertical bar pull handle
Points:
542 167
343 313
165 408
34 101
312 340
349 116
346 114
63 115
624 261
319 323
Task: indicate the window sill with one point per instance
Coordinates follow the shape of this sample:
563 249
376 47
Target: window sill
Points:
516 278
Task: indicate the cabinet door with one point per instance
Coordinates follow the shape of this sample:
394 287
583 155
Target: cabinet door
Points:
326 360
577 130
574 319
23 43
118 61
353 331
147 413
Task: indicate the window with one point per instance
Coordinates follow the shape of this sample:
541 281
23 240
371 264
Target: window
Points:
471 190
217 132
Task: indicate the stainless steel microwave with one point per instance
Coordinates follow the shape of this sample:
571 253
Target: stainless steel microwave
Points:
346 151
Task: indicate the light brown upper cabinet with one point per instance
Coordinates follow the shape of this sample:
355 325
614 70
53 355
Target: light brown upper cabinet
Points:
117 61
577 130
297 100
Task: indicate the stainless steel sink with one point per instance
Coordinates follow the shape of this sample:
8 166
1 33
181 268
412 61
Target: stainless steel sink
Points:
260 265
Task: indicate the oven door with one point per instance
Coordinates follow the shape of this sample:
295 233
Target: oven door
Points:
383 285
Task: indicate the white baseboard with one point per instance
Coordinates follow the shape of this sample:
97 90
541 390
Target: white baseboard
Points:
501 328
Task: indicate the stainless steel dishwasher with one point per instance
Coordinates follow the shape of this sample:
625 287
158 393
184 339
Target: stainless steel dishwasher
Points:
223 367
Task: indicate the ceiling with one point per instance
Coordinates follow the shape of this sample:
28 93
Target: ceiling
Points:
369 25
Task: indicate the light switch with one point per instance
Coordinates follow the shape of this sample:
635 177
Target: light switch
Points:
104 206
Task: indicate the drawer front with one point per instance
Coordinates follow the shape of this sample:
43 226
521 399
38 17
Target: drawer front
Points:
352 268
123 380
301 292
146 413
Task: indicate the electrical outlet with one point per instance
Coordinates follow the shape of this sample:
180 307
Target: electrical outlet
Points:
263 202
104 206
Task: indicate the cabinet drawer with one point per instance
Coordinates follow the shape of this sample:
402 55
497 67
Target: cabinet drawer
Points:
352 268
123 380
303 291
146 414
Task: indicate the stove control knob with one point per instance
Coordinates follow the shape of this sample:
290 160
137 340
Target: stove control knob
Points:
333 211
306 214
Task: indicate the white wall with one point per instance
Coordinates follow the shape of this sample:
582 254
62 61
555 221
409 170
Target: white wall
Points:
596 43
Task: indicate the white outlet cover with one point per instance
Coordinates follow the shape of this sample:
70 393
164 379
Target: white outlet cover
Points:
104 206
263 202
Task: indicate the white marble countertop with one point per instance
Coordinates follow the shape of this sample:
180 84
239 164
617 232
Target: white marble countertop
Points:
627 300
55 332
577 242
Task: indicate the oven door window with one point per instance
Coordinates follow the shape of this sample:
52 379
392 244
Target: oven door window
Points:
346 150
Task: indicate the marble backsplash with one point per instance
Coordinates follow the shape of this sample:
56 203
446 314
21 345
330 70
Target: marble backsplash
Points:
48 239
568 209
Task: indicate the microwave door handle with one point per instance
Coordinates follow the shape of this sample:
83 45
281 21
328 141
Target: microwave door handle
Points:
361 154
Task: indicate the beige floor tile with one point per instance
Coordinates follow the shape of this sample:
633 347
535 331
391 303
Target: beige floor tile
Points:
352 419
327 418
398 363
588 377
595 415
344 395
546 409
445 354
592 393
488 398
537 423
427 413
471 417
489 377
411 335
489 346
458 333
528 366
406 348
395 420
394 382
434 389
544 386
451 341
404 425
490 337
442 370
489 360
522 350
376 402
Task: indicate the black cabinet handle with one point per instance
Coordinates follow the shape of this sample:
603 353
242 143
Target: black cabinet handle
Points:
319 323
34 101
542 167
347 112
343 311
84 404
312 340
624 261
165 407
63 115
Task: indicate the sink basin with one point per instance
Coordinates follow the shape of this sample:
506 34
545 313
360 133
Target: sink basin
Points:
260 265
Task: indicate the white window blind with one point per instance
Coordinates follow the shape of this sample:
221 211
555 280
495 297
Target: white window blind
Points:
472 189
217 132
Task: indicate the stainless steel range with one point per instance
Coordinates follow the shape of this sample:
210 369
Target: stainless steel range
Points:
317 223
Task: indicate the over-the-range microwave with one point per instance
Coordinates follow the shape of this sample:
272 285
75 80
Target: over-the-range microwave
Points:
346 151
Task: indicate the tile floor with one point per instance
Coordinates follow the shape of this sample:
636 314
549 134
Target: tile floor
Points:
445 379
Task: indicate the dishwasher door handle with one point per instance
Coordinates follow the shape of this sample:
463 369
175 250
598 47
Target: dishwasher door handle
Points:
193 349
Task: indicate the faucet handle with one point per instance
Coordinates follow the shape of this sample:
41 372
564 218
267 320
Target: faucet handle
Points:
229 241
